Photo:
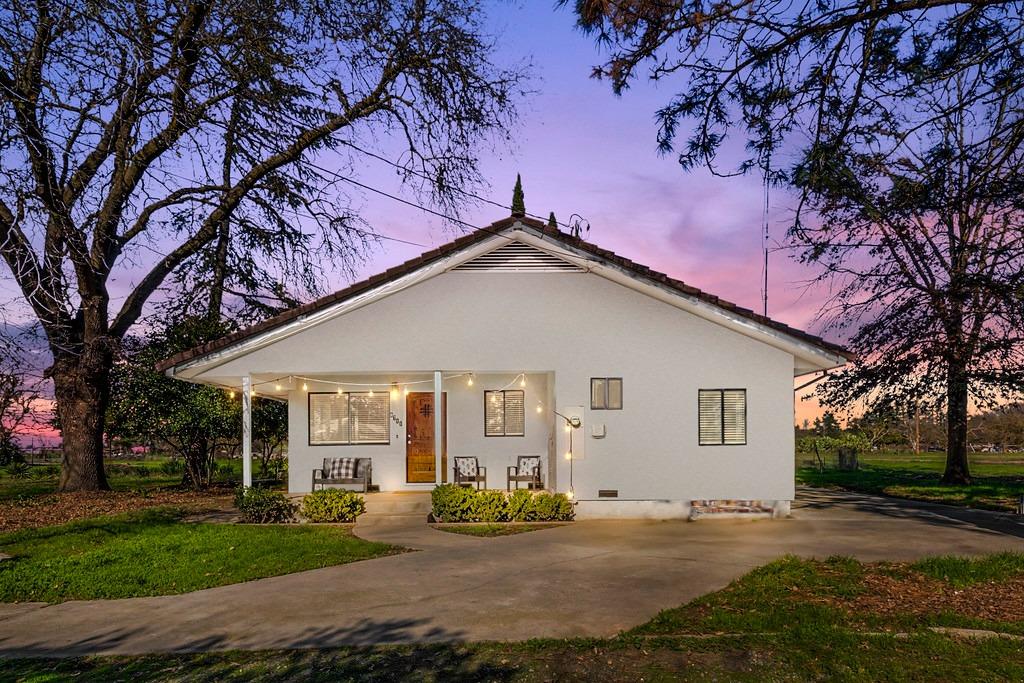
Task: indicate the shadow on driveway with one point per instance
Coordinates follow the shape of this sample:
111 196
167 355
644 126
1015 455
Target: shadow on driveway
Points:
947 516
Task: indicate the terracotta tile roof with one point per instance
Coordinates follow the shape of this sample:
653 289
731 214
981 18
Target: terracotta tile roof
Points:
472 238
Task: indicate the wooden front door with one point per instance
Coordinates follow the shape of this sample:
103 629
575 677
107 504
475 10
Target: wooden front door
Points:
419 437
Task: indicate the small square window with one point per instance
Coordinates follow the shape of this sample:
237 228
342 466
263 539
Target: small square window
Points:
606 393
722 417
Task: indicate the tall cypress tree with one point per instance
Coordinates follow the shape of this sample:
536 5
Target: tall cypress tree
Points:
518 198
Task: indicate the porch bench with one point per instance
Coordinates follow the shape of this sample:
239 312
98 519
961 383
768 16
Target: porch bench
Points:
335 469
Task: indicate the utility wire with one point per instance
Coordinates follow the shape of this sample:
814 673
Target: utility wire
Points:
424 176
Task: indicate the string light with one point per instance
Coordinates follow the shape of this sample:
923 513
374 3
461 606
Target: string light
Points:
371 392
540 408
394 390
569 494
405 391
339 391
568 455
522 382
469 382
277 387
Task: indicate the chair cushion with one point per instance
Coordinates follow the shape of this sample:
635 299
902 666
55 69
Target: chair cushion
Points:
339 468
361 465
466 466
529 465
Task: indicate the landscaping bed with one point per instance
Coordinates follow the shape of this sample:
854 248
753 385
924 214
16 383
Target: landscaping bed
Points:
51 509
492 529
451 503
792 619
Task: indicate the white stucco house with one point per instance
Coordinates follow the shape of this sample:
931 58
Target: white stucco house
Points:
513 330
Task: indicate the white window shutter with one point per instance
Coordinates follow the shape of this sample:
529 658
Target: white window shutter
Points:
734 416
515 413
494 413
710 417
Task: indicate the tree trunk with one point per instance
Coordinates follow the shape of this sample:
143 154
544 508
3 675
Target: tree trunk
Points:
957 468
81 386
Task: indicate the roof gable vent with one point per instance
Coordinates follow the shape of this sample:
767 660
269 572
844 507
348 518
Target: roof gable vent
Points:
517 257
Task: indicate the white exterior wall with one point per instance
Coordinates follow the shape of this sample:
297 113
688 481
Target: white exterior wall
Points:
574 326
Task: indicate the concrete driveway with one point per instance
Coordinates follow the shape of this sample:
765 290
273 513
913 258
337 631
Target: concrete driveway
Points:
586 579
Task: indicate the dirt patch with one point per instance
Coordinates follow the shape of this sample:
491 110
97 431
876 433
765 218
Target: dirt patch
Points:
60 508
908 592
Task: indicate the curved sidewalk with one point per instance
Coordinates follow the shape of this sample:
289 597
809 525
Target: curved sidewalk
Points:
584 579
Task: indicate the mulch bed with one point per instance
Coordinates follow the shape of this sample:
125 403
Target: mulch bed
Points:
917 594
60 508
897 590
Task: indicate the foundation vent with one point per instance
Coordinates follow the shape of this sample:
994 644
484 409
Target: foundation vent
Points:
516 257
608 493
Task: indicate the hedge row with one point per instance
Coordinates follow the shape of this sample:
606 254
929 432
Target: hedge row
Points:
263 506
451 503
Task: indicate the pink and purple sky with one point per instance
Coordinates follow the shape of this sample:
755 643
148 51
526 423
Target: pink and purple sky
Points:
580 149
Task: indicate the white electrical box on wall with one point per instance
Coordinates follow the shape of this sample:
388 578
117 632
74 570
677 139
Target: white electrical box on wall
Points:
597 431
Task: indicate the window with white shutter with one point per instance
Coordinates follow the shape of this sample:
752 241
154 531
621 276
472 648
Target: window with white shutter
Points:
505 413
722 417
349 418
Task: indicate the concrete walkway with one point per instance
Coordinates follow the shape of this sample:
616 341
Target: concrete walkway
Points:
584 579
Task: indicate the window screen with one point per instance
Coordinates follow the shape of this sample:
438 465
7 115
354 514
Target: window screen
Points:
606 393
349 418
722 417
505 413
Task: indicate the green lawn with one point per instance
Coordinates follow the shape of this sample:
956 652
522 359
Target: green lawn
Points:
34 483
998 478
793 619
492 530
152 552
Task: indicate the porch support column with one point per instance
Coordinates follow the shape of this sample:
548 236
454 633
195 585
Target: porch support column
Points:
247 431
438 426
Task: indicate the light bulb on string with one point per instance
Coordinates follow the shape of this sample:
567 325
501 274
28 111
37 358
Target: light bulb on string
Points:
304 387
469 382
522 382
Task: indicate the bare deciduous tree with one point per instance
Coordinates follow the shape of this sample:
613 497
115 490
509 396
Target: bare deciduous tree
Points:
905 120
136 134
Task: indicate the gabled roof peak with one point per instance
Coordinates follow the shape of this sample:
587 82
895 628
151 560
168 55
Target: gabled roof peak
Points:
498 228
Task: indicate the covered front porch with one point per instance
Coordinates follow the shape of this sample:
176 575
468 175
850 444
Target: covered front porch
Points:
393 419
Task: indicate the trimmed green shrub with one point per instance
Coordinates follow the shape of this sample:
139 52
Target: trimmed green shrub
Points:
142 471
551 507
519 505
263 506
332 505
451 503
491 506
